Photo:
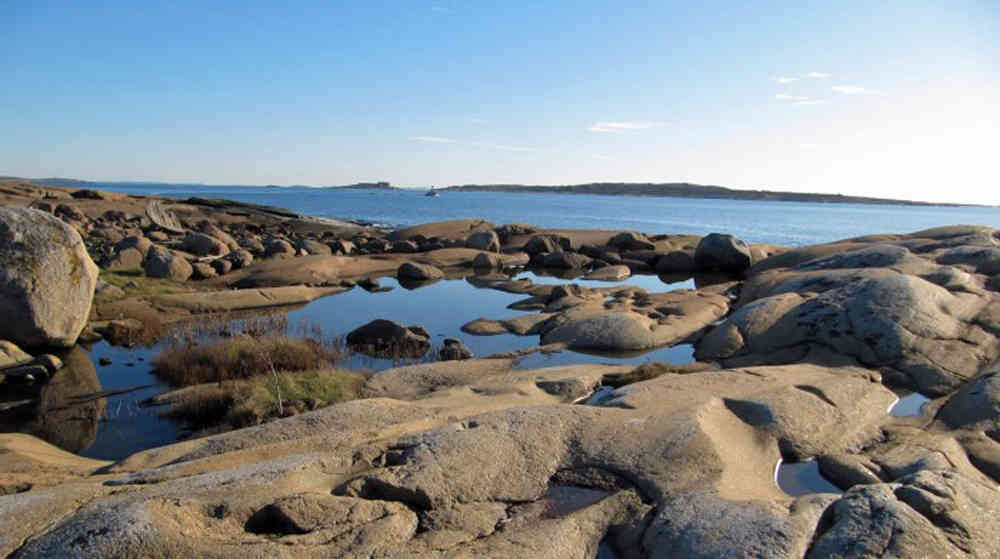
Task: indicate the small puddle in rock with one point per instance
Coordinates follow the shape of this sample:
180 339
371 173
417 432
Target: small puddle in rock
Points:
802 478
909 405
605 551
93 409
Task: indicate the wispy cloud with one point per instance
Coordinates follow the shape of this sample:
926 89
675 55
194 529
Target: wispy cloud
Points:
434 140
818 75
622 125
502 147
443 140
602 157
854 90
441 9
785 79
798 99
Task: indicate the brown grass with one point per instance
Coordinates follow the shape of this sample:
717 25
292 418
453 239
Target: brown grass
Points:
240 403
242 357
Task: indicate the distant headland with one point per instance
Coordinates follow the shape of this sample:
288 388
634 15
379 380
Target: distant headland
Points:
688 190
669 189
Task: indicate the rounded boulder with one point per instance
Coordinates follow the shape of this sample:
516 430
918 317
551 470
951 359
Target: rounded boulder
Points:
47 279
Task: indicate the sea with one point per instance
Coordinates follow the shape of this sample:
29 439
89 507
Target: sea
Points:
772 222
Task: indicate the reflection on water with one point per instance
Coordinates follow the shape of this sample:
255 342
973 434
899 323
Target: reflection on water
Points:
90 409
68 407
909 405
802 478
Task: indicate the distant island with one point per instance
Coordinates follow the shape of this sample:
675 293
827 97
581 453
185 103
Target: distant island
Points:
687 190
668 189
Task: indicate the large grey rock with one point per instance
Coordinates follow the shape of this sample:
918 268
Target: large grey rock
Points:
164 263
976 404
718 252
204 245
878 317
927 514
141 244
47 279
125 259
484 240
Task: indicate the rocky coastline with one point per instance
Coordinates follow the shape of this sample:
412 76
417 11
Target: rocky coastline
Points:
801 352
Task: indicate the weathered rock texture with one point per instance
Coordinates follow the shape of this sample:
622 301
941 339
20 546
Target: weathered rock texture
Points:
47 279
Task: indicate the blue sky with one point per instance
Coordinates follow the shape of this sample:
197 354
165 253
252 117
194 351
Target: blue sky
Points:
897 99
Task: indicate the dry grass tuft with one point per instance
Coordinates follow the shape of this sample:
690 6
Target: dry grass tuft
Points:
240 403
242 357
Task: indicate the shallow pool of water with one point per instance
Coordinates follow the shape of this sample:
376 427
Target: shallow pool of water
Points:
92 408
909 405
802 478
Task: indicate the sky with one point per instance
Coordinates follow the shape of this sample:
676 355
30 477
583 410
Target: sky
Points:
895 99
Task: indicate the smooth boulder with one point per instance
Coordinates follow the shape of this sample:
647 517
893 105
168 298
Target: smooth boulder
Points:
385 338
718 252
162 263
47 279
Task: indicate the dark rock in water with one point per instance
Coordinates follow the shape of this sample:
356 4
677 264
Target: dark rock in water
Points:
723 253
678 261
454 350
385 338
419 272
47 279
539 244
567 260
368 284
485 260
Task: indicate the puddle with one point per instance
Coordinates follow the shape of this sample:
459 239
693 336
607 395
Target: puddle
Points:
802 478
909 405
605 551
602 394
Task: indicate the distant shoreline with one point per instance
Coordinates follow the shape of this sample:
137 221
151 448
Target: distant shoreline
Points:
657 190
688 190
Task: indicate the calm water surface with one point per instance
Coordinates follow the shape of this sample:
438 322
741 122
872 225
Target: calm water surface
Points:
788 223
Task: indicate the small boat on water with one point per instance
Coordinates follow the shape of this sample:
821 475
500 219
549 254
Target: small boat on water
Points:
432 192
